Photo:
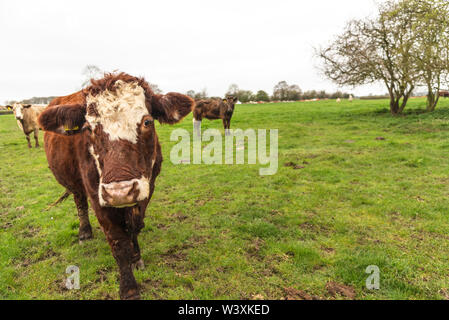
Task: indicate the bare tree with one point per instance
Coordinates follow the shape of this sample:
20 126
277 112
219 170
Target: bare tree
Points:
155 88
91 72
280 91
191 93
294 92
429 20
376 50
233 90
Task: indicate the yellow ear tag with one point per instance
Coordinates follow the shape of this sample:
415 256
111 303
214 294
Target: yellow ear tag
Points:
225 100
66 128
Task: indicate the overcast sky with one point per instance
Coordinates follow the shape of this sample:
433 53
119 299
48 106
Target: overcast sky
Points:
179 45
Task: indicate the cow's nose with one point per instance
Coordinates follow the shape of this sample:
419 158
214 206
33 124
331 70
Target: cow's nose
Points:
119 194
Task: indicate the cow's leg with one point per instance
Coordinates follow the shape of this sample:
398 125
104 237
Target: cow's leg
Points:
114 226
85 229
29 141
36 134
226 126
135 223
137 259
123 252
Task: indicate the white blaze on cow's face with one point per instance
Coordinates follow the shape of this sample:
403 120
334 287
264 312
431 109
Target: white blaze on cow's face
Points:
18 111
119 113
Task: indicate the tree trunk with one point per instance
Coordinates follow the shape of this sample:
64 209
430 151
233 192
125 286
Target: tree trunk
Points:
394 106
432 100
404 102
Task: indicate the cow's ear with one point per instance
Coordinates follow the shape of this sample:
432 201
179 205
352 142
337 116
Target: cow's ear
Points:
26 106
63 119
171 107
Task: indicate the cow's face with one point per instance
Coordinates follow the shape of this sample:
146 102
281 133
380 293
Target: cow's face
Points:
118 124
230 103
122 143
18 109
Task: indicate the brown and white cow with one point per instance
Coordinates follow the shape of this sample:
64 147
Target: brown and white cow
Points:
27 115
214 109
101 145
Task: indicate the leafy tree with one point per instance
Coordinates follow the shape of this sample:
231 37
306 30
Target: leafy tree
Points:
262 96
245 96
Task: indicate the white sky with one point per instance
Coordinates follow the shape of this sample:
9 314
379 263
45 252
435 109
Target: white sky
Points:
179 45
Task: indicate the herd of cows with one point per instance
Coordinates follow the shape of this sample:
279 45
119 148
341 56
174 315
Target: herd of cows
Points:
102 146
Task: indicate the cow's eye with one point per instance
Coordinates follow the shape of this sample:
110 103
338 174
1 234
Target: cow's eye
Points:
147 122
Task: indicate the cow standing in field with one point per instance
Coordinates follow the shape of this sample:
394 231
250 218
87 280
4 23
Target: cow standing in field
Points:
214 109
443 93
27 115
101 145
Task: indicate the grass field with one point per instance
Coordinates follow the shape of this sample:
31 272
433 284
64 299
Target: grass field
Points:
225 232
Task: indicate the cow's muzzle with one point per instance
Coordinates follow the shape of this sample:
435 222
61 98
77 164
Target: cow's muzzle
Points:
124 193
120 194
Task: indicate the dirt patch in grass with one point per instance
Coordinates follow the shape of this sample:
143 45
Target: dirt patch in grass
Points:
335 288
6 226
175 255
328 250
180 216
162 226
254 247
322 229
295 294
30 232
294 165
103 274
445 293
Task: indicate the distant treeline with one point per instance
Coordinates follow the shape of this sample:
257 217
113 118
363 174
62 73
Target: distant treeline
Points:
281 92
375 97
34 100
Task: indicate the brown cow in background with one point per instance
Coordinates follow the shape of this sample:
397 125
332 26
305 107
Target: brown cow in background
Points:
101 145
214 109
443 93
27 115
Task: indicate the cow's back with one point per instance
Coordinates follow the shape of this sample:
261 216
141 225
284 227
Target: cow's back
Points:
208 108
30 118
74 98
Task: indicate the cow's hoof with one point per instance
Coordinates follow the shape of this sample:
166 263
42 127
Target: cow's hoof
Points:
85 236
131 295
139 265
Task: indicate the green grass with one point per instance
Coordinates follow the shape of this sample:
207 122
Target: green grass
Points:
225 232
